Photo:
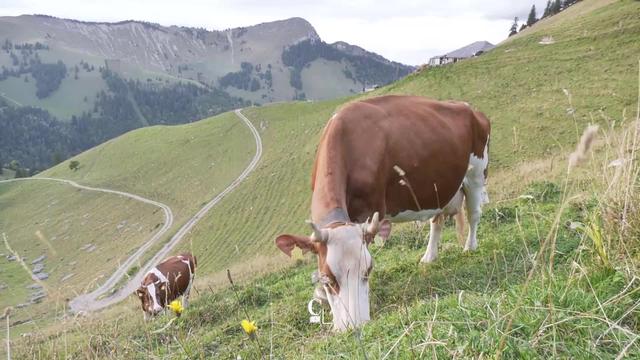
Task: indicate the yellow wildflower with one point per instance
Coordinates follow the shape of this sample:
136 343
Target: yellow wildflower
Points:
249 326
176 307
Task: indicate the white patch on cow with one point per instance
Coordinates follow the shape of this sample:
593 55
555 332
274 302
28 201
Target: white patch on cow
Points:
151 288
476 194
159 275
349 260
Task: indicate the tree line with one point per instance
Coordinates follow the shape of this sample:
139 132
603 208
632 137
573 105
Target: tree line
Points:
553 7
48 76
36 140
367 70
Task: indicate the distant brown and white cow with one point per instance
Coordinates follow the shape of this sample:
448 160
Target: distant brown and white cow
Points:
443 149
166 282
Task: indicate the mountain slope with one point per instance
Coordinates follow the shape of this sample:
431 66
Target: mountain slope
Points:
89 234
99 80
141 50
460 306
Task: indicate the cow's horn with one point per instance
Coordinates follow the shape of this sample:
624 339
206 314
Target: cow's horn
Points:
374 224
319 235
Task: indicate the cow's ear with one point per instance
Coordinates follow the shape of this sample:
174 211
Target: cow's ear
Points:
385 229
287 242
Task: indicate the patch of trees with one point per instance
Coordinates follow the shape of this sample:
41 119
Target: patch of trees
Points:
267 77
36 139
181 102
243 79
368 70
7 46
48 77
30 136
553 7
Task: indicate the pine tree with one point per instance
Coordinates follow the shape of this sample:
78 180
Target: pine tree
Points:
514 27
532 16
547 9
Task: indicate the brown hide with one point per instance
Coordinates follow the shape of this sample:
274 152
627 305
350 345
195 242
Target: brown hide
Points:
430 140
178 276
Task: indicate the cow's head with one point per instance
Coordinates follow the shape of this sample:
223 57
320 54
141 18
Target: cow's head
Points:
152 294
344 265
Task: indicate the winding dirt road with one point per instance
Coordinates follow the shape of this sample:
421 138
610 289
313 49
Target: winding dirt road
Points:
98 298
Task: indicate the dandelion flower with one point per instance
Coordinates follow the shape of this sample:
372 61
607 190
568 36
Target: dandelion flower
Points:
176 307
249 326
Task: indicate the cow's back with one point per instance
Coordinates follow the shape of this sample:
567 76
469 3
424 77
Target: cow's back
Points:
430 140
178 270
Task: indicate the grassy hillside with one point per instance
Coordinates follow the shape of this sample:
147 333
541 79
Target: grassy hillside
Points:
184 167
181 166
514 297
521 84
83 234
457 307
522 95
65 102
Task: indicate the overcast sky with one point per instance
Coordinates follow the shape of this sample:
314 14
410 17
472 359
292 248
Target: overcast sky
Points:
409 31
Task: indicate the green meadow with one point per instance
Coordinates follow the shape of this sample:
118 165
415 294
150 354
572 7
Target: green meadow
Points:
556 273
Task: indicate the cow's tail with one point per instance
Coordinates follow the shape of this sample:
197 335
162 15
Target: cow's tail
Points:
459 218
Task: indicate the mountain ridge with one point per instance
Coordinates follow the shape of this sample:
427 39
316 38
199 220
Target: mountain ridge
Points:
106 77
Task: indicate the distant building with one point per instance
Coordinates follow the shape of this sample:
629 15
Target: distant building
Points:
474 49
371 88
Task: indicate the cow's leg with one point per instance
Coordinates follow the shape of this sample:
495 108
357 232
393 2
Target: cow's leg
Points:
185 296
475 197
435 233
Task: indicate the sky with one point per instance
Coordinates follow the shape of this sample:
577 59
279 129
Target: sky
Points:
408 31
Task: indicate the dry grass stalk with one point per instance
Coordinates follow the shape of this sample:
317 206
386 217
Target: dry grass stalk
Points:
583 147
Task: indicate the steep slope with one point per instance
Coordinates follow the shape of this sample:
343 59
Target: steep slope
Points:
177 165
82 235
519 86
461 306
89 234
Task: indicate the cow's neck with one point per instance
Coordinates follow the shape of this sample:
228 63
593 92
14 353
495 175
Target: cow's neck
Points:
328 203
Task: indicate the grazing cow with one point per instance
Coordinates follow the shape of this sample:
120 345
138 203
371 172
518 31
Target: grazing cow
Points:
440 152
166 282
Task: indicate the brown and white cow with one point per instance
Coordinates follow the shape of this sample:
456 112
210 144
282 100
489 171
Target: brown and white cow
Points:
441 146
166 282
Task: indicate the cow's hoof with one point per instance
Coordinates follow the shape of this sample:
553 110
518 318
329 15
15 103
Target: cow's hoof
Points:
427 259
